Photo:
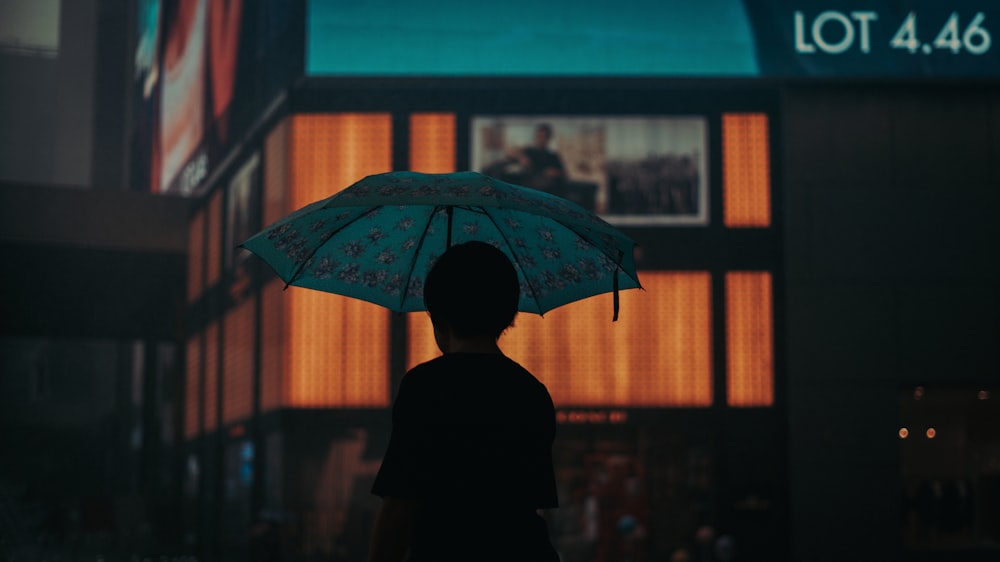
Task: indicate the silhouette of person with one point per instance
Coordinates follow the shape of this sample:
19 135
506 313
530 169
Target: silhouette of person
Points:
469 460
541 167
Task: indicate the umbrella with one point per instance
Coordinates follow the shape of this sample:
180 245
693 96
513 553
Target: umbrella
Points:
377 239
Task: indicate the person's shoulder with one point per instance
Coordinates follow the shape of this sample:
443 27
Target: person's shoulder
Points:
422 373
425 369
528 377
520 368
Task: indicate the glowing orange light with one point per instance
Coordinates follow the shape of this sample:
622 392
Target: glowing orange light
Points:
904 433
931 433
918 393
334 350
237 363
749 339
983 395
432 142
659 353
746 170
196 254
328 152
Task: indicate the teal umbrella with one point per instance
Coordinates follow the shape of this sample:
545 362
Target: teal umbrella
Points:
377 239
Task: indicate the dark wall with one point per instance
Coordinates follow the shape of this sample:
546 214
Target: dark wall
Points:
46 105
86 263
64 117
892 279
90 330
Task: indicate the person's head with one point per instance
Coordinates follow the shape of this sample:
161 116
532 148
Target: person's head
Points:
543 134
472 289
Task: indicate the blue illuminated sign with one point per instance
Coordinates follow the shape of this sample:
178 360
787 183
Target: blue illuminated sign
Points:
708 38
528 37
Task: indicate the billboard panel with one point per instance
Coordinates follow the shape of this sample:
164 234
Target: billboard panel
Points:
529 38
638 170
205 71
709 38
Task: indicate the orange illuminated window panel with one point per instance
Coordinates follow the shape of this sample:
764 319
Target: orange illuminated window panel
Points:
746 170
329 152
211 380
237 365
196 255
749 339
192 386
658 354
432 142
334 350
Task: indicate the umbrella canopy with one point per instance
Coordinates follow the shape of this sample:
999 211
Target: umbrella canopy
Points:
377 239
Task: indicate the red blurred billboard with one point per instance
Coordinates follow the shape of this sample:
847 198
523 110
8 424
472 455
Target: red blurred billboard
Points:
205 70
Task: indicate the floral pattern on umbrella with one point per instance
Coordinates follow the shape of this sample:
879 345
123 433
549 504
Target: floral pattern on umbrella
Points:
377 239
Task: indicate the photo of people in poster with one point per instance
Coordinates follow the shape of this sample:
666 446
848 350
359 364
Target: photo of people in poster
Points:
629 170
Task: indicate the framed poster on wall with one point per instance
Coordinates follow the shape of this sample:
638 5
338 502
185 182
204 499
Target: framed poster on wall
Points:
631 170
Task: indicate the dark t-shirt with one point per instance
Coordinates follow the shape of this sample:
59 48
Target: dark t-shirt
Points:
542 159
472 443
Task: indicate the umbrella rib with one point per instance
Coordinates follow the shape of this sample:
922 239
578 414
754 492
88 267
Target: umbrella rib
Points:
416 253
527 281
618 268
616 259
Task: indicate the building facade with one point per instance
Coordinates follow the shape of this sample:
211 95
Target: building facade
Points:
810 370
